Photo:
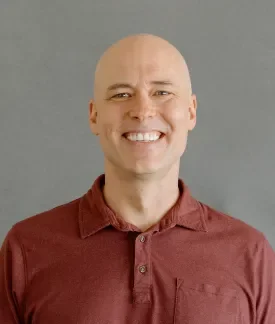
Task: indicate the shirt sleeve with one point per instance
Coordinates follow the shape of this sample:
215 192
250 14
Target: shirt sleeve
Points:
265 283
12 279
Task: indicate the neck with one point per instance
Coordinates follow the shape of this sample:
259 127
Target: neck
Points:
141 201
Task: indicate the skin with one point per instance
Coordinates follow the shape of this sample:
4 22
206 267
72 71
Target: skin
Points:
142 178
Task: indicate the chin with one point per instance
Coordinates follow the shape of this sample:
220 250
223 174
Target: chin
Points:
143 169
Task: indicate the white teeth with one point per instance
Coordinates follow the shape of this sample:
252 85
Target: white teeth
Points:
143 137
146 137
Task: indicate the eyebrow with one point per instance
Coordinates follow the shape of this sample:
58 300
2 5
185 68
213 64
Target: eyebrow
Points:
128 85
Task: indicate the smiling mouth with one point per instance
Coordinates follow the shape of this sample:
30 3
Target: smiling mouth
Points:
143 137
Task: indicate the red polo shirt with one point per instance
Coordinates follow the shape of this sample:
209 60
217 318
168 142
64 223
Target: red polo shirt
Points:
79 263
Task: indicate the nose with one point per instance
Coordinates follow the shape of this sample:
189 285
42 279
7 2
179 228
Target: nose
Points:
142 109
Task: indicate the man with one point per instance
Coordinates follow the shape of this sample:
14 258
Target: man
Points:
137 248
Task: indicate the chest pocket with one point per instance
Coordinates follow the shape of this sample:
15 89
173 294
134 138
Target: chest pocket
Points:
203 303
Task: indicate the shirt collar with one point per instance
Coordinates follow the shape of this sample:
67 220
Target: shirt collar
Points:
94 213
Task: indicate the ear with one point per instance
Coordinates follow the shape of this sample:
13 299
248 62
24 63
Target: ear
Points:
192 112
93 118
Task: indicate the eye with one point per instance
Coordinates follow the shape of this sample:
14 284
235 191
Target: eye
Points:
121 95
162 93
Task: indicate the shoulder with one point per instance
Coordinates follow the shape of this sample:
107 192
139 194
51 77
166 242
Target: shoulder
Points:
230 226
57 220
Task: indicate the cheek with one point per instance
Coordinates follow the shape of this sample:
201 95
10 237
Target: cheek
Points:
177 117
106 122
109 130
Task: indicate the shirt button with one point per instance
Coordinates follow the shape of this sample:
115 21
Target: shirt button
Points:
142 239
142 269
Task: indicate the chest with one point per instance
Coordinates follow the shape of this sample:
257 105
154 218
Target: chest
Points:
135 279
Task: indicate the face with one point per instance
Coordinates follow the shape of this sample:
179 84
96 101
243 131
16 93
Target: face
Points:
143 109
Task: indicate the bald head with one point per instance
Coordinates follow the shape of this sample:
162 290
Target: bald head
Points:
137 54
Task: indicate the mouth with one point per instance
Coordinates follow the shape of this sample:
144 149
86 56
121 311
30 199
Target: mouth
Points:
138 137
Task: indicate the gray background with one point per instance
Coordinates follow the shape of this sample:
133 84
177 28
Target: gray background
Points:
48 52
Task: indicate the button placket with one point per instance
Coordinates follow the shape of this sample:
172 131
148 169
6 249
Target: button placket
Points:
142 266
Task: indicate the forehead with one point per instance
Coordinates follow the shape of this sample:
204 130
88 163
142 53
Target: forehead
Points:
141 66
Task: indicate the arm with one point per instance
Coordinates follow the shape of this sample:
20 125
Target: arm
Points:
12 279
265 284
